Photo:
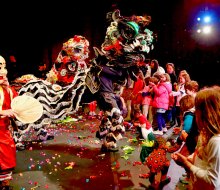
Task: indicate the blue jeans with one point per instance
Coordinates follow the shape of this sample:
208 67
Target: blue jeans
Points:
160 120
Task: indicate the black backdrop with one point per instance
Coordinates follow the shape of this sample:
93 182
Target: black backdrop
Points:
34 31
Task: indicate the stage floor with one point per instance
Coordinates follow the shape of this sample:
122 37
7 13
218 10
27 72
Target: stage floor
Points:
73 161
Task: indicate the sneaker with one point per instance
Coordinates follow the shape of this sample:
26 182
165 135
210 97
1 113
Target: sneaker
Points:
158 132
184 174
184 180
164 129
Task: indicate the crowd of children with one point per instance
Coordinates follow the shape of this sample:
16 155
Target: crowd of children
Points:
161 100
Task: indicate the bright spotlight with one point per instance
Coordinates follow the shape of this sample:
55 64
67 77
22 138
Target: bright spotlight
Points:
207 29
199 31
207 19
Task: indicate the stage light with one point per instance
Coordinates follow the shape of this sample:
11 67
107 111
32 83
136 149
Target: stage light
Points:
207 29
207 19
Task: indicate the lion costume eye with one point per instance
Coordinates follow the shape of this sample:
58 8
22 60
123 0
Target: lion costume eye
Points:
129 29
72 66
78 49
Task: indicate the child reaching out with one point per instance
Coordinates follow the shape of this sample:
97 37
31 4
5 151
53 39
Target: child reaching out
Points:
187 108
187 136
161 100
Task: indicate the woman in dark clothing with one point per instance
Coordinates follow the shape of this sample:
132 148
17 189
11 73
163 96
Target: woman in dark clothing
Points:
171 113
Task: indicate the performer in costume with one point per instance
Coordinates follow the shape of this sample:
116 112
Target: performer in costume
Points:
126 44
7 145
60 93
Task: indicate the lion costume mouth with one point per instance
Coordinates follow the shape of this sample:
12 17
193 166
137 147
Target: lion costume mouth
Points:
127 39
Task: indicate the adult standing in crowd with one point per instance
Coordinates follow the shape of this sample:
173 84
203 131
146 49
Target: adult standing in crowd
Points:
7 145
170 69
171 113
154 68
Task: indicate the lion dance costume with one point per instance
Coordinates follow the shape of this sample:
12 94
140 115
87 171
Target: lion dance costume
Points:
61 92
126 45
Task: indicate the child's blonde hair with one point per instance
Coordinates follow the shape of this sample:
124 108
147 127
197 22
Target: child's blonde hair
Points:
154 79
185 75
168 79
192 86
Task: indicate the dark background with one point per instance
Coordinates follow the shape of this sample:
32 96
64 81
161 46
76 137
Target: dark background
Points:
34 31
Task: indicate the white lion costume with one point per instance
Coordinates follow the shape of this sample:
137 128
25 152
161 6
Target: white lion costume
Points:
61 92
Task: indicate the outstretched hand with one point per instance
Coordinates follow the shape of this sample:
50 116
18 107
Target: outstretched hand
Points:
7 113
179 158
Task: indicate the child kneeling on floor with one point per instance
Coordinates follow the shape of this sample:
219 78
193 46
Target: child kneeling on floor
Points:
143 126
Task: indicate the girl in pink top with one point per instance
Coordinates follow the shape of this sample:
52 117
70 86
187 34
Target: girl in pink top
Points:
161 102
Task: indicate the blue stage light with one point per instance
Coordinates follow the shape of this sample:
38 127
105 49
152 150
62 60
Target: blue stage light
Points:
207 19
